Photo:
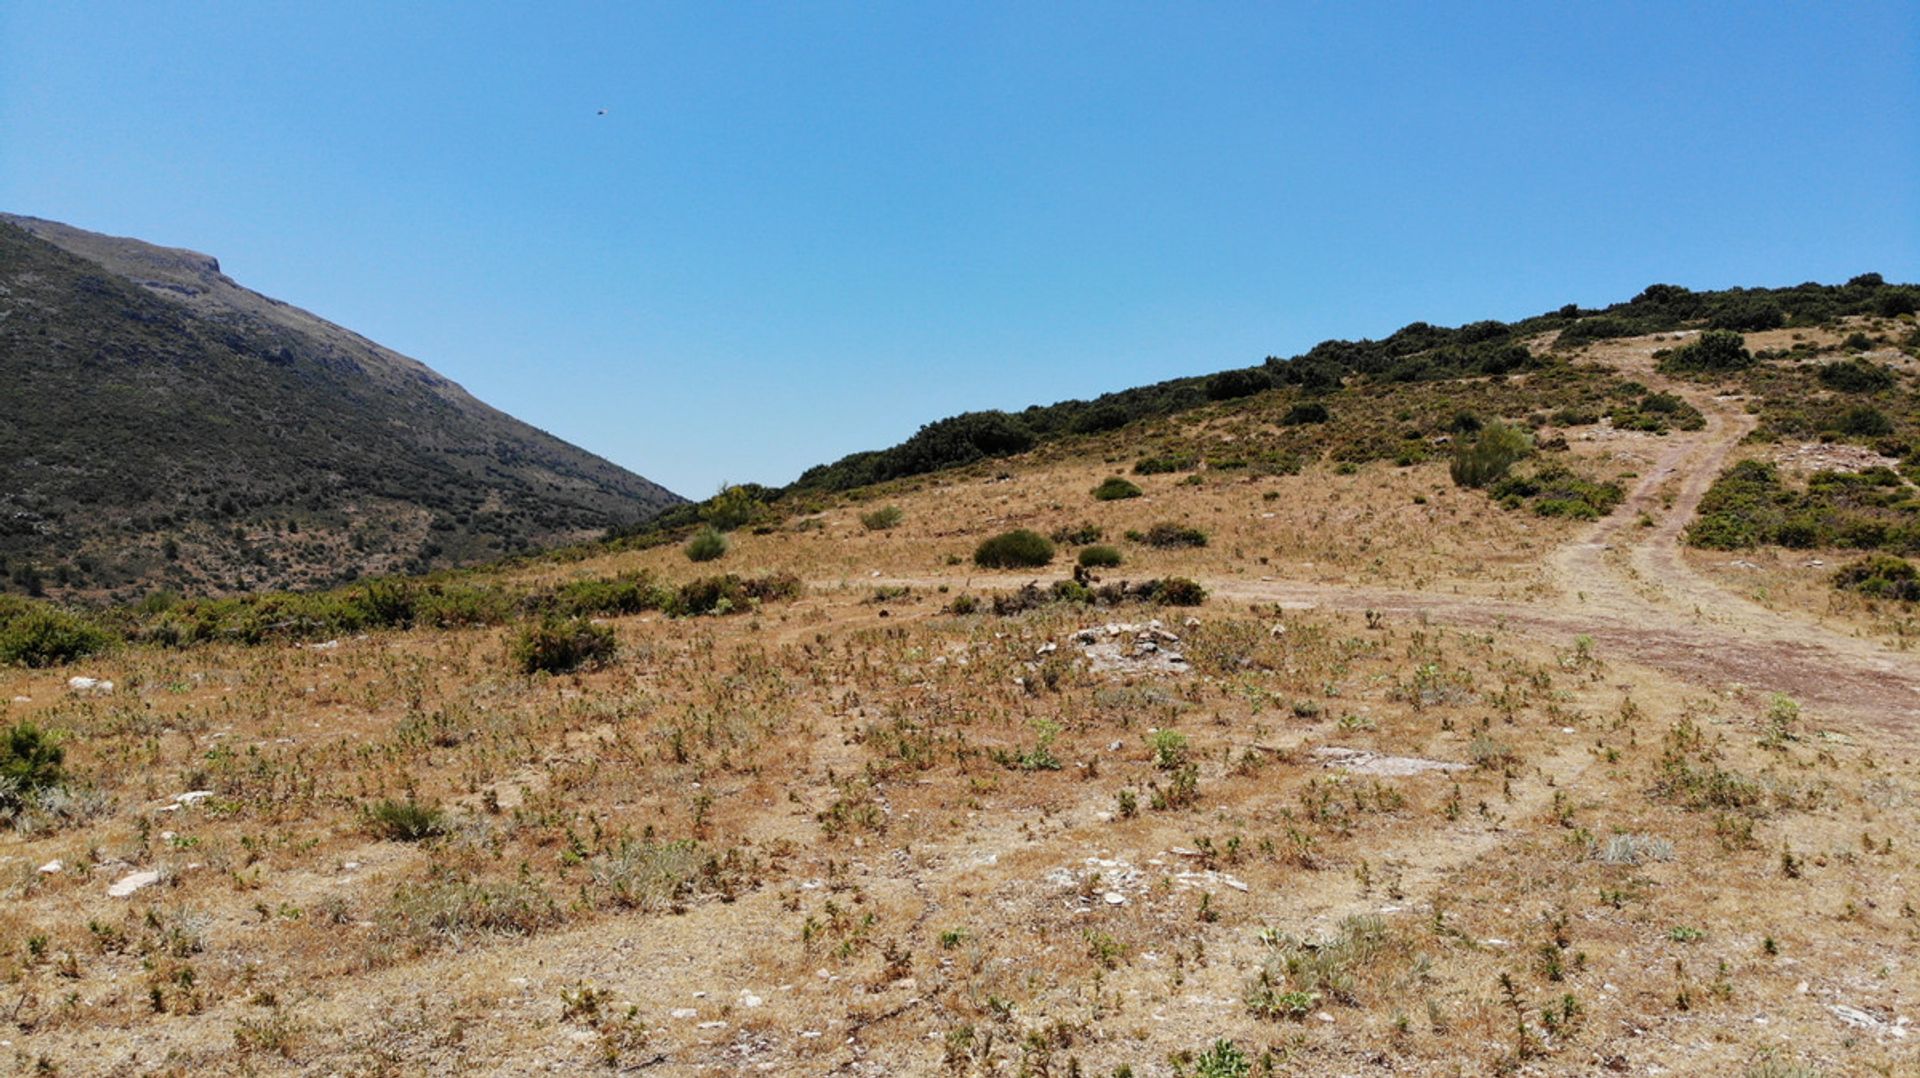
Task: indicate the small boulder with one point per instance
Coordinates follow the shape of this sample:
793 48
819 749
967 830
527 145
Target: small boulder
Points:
132 882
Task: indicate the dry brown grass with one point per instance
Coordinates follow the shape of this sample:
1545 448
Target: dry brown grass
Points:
855 833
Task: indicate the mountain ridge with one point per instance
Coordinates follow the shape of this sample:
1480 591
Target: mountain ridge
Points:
319 455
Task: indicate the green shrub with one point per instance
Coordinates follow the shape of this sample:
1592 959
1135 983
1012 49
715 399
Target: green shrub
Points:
706 545
1114 488
1099 557
1487 457
405 821
1304 413
1595 329
1865 422
30 761
1172 462
460 606
1881 577
1714 351
729 594
42 635
1856 376
1078 534
1175 591
1228 385
883 518
628 593
1019 549
1167 534
557 644
1894 302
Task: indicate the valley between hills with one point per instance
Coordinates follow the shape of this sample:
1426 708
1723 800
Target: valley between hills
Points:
1346 761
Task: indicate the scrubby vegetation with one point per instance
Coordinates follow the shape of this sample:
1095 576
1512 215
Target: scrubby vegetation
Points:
1098 557
556 645
1554 490
708 544
1484 458
1750 505
1018 549
1717 351
882 519
30 763
39 634
1881 577
1114 488
1168 534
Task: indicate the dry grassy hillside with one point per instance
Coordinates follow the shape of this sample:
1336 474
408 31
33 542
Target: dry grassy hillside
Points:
1432 786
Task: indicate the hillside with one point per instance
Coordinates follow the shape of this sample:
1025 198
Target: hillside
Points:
1599 766
166 427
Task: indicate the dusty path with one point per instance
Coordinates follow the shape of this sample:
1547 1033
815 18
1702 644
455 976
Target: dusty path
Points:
1627 588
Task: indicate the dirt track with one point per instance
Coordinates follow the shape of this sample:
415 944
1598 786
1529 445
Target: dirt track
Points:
1626 587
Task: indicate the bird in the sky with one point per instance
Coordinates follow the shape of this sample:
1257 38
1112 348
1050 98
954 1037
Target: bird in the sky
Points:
603 112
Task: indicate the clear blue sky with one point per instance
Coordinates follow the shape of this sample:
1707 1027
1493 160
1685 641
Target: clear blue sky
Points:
805 229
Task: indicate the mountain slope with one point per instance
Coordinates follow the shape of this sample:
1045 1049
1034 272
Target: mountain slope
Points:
162 425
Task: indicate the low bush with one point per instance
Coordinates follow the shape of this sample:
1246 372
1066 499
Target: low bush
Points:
557 644
1168 535
628 593
1078 534
1114 488
405 821
1161 465
1856 376
1488 455
730 594
883 518
1304 413
1018 549
706 545
1556 491
41 635
1099 557
1174 591
1714 351
1881 577
30 762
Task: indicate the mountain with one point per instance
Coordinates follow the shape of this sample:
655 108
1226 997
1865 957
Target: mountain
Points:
163 426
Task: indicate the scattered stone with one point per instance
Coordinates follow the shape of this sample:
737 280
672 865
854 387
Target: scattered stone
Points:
1362 762
192 797
1860 1019
748 999
132 882
88 686
52 867
683 1013
23 699
1115 898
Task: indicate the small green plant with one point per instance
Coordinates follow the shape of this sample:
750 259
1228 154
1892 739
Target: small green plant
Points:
1169 749
405 821
1114 488
1018 549
555 645
883 518
706 545
1099 557
1223 1060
